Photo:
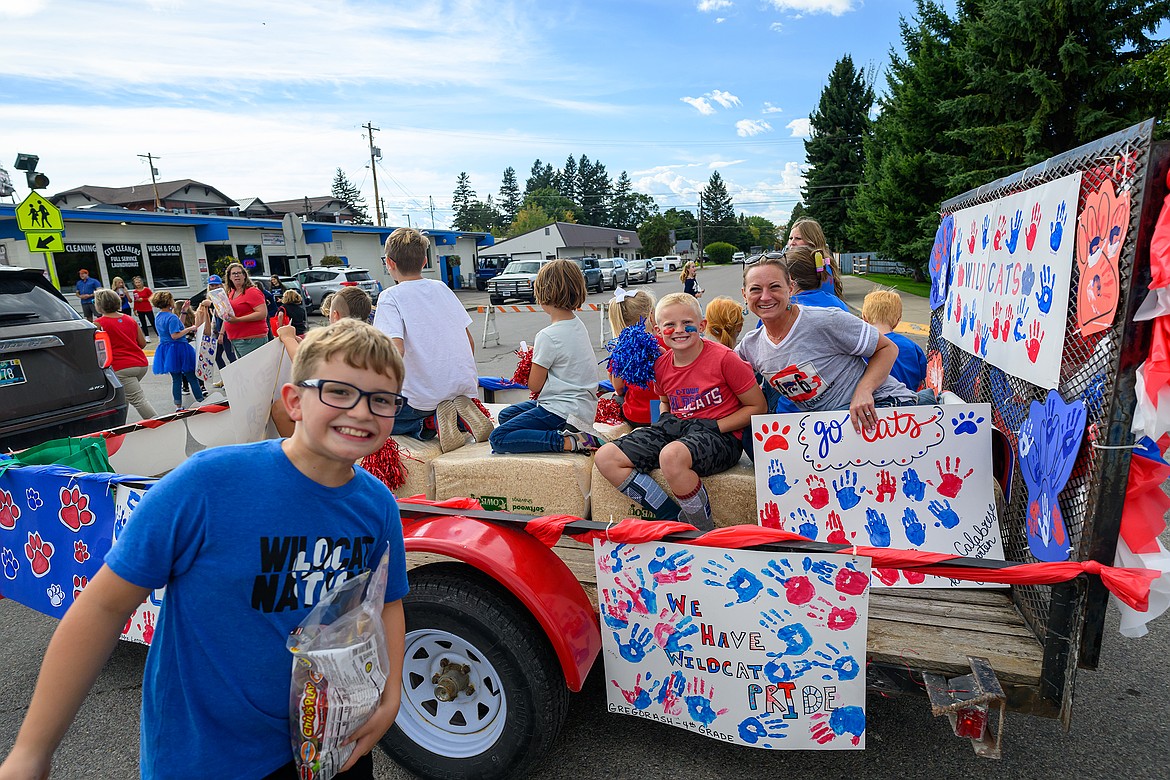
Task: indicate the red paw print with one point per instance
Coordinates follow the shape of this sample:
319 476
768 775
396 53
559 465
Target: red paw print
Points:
9 512
38 553
79 583
775 436
80 551
73 509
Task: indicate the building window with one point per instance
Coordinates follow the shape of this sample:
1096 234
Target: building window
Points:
218 257
252 258
546 231
166 265
124 260
74 258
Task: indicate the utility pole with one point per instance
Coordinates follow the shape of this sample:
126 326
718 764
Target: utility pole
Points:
432 202
375 152
153 173
699 238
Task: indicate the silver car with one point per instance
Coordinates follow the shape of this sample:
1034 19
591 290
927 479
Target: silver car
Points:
319 282
642 271
613 272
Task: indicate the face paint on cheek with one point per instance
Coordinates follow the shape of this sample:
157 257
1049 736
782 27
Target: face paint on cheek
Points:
668 331
691 329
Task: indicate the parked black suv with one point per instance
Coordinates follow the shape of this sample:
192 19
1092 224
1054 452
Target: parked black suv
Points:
51 381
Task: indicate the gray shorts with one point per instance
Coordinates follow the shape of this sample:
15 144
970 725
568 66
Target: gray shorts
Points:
711 451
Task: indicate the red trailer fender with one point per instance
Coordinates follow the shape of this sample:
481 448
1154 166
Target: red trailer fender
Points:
529 570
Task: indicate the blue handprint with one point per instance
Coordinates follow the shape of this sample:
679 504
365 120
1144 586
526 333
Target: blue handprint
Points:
848 492
971 317
778 671
945 514
1014 236
11 564
742 582
1044 297
912 486
1027 280
639 698
950 305
794 637
915 529
672 568
1018 333
986 227
753 729
672 689
615 610
619 556
985 335
674 642
777 482
877 528
699 702
1057 228
844 667
807 523
635 650
962 322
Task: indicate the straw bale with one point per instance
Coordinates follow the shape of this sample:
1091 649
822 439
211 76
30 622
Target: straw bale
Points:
732 492
538 484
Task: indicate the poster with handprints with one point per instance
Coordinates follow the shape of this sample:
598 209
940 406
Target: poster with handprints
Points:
1048 444
750 648
920 478
1010 277
1101 230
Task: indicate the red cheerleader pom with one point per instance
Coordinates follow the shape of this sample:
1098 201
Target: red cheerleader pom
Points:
386 465
523 367
479 404
609 412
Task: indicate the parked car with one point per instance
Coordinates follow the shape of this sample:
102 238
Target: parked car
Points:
319 282
738 257
613 272
487 268
515 283
52 380
642 271
671 263
591 267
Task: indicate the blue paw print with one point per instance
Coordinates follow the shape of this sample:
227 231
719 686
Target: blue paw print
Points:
966 422
33 499
11 565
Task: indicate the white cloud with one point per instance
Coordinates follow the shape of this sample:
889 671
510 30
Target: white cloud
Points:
17 8
749 127
771 109
834 7
720 19
706 6
776 27
702 104
723 164
725 99
771 199
799 127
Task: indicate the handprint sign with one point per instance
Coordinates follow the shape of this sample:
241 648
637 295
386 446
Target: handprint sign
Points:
1049 440
1101 230
940 256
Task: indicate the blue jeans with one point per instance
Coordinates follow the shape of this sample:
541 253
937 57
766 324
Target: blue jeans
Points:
525 427
177 386
412 422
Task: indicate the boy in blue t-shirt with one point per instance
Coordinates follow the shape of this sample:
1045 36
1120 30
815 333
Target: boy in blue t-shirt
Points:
883 310
241 572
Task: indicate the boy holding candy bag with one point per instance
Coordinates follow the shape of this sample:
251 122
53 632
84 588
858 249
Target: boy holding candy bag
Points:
239 577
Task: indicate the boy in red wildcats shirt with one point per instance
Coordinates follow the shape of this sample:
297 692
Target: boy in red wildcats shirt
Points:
711 394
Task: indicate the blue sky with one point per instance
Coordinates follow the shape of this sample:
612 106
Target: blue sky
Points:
266 98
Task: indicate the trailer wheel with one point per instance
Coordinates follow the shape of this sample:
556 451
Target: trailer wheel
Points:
482 694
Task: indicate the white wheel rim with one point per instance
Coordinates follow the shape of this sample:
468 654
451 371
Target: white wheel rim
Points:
462 728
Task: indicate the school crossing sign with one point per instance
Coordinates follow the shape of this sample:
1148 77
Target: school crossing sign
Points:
41 223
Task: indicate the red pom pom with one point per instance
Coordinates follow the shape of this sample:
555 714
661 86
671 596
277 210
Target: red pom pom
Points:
523 367
386 465
609 412
479 404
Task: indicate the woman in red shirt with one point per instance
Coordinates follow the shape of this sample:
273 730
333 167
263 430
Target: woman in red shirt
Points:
126 343
246 326
142 305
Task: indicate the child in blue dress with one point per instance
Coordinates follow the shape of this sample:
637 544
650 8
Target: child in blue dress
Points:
174 356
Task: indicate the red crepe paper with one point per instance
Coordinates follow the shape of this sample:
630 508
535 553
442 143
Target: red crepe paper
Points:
450 503
550 528
523 367
1157 366
386 465
1160 247
1144 510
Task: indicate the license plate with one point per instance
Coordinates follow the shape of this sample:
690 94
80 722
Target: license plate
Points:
11 372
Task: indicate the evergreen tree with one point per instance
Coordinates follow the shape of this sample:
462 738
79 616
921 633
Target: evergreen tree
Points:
629 209
594 192
345 191
568 182
541 177
509 197
718 212
481 217
553 203
683 223
834 151
461 202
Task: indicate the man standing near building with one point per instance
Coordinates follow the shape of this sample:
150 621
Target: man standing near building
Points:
86 287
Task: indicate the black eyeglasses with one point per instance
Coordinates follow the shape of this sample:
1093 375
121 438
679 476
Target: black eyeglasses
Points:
342 395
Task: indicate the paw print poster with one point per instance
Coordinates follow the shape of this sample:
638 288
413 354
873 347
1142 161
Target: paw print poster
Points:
1010 276
751 648
920 479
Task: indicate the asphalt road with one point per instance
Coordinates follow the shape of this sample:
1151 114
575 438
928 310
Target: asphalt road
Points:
1120 724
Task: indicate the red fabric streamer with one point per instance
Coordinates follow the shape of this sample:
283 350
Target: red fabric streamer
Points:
1160 247
609 412
386 465
1144 510
523 367
1158 363
449 503
550 528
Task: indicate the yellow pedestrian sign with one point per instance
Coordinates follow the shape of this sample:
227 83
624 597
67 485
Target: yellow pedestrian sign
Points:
39 215
44 242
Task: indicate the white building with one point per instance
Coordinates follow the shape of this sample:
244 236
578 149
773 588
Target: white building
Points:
565 239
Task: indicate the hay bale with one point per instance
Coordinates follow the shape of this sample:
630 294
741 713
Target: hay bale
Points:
417 457
733 496
537 484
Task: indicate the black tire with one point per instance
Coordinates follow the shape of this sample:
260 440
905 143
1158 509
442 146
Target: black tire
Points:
480 285
497 300
511 663
600 285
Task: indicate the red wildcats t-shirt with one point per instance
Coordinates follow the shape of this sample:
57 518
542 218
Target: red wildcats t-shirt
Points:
707 388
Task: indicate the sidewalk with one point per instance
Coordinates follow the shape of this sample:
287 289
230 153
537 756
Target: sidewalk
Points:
915 309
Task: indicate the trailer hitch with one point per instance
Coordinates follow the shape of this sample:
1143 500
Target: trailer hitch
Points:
967 701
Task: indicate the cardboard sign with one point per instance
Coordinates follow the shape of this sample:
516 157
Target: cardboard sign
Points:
1101 231
1009 279
752 648
921 479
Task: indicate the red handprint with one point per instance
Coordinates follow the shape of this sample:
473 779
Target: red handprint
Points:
770 516
996 310
1030 233
1000 232
1036 336
887 486
959 306
977 337
887 576
950 482
914 577
836 530
147 627
817 495
1007 323
971 240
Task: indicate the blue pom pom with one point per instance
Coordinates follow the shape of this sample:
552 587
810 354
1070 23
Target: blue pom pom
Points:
632 355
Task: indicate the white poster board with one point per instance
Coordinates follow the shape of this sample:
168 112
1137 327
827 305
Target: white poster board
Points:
921 480
252 383
140 627
751 648
1009 280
